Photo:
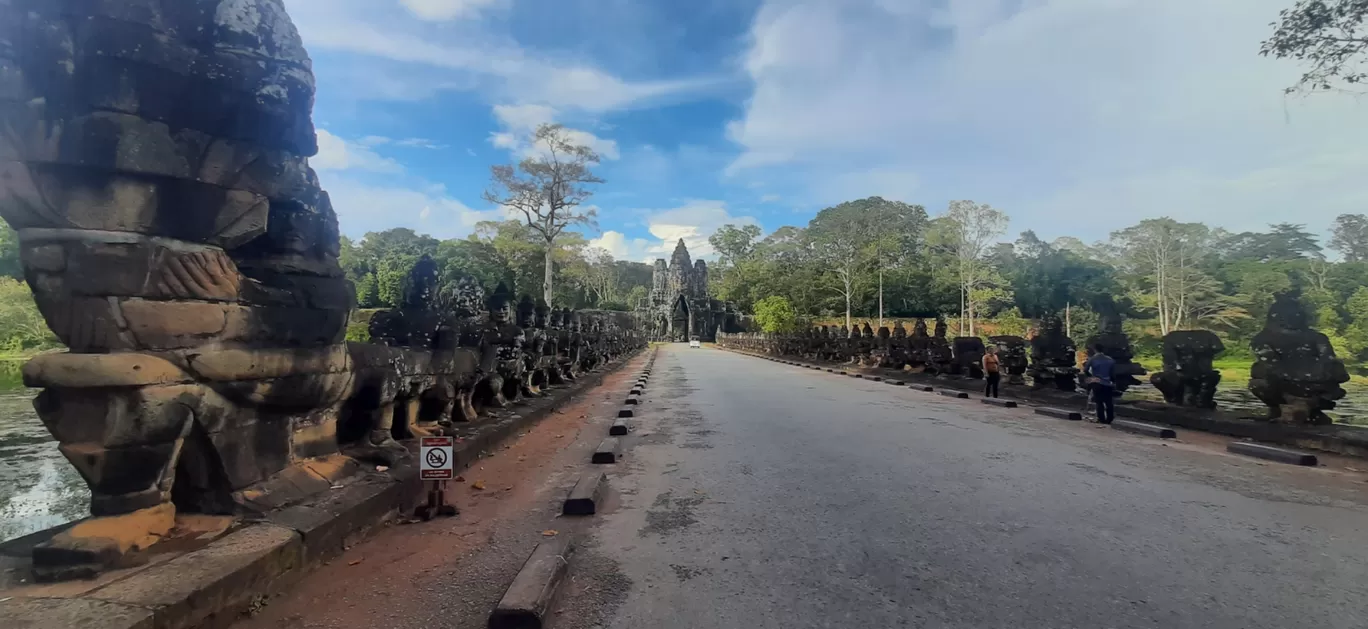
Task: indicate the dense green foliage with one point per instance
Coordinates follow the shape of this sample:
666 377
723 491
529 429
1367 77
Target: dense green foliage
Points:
22 328
507 252
775 315
1161 274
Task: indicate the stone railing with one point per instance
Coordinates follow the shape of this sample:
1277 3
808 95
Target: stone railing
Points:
1296 372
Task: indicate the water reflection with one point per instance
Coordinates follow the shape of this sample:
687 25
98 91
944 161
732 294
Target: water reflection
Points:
38 488
1234 396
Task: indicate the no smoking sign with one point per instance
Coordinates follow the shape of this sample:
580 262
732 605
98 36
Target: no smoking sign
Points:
437 459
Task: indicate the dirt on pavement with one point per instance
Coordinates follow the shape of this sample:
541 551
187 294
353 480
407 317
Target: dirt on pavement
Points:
412 574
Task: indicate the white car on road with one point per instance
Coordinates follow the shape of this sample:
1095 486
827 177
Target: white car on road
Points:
694 342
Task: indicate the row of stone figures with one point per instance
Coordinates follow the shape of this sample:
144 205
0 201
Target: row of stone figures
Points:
449 354
154 163
1296 372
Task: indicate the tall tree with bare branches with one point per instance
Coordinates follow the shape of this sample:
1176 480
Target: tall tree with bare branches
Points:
549 188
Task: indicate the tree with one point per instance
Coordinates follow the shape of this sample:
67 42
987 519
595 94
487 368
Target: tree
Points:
735 246
548 189
9 253
969 228
1284 241
1165 255
1328 35
838 236
775 315
1349 236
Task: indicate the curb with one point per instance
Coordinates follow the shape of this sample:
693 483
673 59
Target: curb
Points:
585 496
1060 413
1270 453
608 451
528 598
1141 428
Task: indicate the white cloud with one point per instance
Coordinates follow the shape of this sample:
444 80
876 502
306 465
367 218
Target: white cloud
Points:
363 207
349 170
419 143
769 198
694 221
443 10
334 153
520 121
1111 110
467 57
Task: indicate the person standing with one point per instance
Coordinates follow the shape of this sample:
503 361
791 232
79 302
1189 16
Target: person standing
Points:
1099 369
991 373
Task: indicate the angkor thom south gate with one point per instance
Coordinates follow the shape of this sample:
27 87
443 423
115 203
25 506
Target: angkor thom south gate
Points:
680 308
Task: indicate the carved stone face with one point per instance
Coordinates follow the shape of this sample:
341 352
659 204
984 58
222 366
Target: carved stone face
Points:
542 317
899 332
940 328
1287 313
292 228
919 328
526 312
1054 326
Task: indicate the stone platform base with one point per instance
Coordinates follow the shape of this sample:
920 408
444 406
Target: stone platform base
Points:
211 584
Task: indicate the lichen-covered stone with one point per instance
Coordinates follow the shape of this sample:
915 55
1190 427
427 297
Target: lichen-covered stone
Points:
1295 371
1188 378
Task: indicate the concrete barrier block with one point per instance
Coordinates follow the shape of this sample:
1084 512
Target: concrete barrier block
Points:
608 451
876 378
1060 413
992 401
585 497
1270 453
619 428
632 401
528 599
896 383
953 393
626 411
922 387
1141 428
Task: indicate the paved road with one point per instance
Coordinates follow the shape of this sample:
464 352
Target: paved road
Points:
760 495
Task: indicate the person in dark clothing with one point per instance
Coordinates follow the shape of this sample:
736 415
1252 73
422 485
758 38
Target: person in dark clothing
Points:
1099 369
991 372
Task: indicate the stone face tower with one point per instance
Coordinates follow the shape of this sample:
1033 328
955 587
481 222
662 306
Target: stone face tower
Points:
680 308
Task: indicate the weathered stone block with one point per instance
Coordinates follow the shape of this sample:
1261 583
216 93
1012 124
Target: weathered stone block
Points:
175 324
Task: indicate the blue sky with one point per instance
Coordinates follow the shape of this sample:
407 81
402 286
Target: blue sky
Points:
1076 117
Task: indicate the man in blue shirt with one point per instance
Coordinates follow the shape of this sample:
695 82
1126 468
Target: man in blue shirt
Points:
1099 369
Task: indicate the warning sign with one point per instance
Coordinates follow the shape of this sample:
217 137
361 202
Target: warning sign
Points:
437 459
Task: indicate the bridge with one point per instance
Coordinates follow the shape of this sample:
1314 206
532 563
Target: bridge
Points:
250 467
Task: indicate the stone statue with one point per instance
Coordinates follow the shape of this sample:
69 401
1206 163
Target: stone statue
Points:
534 339
1295 372
179 245
1188 378
1012 354
897 354
969 351
939 355
919 345
1054 357
1117 345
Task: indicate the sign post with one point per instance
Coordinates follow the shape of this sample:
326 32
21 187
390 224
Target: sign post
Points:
436 466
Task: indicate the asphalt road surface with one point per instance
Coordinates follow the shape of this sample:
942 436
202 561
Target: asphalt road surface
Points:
758 495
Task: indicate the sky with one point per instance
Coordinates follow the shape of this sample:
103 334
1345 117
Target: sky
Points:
1075 117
